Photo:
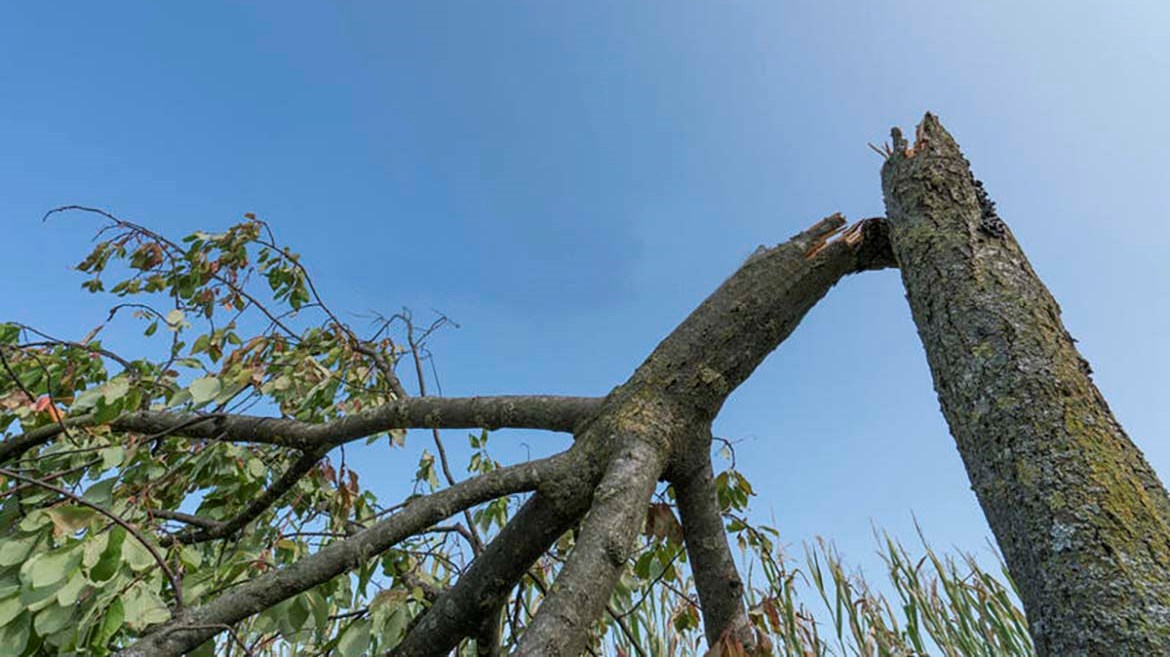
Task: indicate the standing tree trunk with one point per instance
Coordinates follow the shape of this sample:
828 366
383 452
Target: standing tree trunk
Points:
1081 518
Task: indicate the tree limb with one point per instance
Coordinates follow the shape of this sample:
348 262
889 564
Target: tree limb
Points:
550 413
194 626
461 609
606 541
712 563
203 523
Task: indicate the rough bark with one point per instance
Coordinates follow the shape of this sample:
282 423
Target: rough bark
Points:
679 389
462 609
1080 516
582 589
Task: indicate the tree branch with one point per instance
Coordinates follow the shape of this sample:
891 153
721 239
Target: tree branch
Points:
550 413
606 541
716 577
461 609
625 442
191 628
255 507
203 523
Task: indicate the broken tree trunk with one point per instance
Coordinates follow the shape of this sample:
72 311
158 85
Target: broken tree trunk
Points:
1080 516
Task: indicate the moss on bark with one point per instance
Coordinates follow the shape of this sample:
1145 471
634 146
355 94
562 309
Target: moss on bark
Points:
1080 516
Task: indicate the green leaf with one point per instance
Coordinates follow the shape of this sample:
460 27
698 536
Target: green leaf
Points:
143 607
88 399
395 627
107 412
109 563
52 619
190 556
112 456
9 333
15 550
68 594
297 614
319 606
111 622
51 567
35 520
114 390
14 636
68 520
256 468
137 556
10 607
204 389
356 639
101 493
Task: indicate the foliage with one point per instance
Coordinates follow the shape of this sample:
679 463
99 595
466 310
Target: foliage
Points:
106 531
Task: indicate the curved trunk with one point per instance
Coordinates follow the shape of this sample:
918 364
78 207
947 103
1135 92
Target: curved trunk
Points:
1081 518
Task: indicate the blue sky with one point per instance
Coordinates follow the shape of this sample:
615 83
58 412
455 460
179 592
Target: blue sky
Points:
567 180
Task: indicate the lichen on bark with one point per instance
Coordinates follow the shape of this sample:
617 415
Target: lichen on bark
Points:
1083 522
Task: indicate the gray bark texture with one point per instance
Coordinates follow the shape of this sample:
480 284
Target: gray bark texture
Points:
547 412
1080 516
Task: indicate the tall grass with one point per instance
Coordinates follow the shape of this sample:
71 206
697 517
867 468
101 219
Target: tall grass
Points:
944 605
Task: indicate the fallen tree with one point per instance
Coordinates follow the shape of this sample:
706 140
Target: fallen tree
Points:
1080 516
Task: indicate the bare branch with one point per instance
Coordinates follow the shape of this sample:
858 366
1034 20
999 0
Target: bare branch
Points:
444 464
549 413
718 582
203 523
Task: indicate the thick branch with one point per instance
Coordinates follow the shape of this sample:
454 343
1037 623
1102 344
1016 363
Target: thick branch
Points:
681 386
461 610
723 340
487 637
582 589
546 412
12 448
1079 514
194 626
716 577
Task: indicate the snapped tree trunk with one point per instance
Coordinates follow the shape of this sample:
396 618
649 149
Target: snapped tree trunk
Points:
1080 516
